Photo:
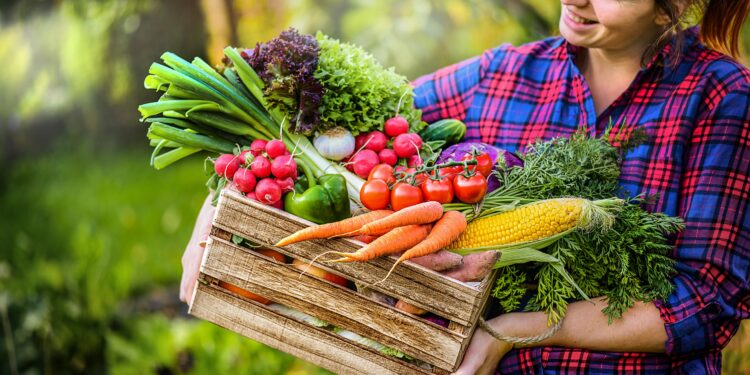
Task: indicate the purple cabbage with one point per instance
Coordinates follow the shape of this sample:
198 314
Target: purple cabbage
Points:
457 151
286 66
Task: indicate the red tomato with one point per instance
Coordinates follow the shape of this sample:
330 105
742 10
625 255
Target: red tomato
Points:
484 164
405 195
470 189
375 194
438 190
451 172
275 255
382 172
418 179
242 292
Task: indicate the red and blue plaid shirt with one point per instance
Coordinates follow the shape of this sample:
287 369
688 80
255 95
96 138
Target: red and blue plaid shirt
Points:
697 158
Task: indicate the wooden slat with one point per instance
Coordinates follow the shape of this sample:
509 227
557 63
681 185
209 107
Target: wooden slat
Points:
338 305
315 345
415 284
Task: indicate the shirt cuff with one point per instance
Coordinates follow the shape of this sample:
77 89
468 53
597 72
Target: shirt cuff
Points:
692 315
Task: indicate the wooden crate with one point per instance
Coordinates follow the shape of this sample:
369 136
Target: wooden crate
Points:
441 348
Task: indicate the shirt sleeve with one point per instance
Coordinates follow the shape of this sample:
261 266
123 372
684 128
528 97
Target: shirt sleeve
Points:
712 293
448 92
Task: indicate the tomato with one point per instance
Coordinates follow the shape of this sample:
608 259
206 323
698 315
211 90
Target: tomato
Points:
242 292
375 195
418 179
405 195
275 255
470 189
484 164
319 272
382 172
451 172
438 190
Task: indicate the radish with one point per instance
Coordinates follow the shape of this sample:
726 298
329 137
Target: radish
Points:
261 167
257 147
414 161
388 156
416 139
268 191
395 126
226 165
243 156
279 204
283 166
286 184
275 148
375 141
244 179
405 145
360 140
252 196
364 161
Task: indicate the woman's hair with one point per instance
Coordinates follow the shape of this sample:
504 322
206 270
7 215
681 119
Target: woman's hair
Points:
720 23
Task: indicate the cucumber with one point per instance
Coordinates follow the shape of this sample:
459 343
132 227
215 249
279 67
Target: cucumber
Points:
449 130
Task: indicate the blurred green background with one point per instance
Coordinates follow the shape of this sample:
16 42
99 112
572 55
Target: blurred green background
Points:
92 236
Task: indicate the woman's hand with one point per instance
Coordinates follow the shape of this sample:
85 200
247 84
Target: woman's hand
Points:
483 354
191 259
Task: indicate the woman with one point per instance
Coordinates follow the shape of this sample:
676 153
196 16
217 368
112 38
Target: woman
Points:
623 62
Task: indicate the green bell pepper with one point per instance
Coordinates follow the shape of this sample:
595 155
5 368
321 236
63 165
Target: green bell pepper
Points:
322 200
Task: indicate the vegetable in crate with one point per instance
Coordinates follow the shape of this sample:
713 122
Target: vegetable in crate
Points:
322 201
286 65
624 261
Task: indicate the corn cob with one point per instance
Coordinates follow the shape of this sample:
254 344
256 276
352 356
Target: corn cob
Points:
535 221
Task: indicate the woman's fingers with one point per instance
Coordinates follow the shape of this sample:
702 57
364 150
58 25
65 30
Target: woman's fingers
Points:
482 355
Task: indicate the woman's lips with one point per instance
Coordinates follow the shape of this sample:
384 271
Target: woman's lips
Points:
577 22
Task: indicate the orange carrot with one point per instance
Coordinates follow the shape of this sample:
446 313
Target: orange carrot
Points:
365 238
422 213
397 240
333 229
445 231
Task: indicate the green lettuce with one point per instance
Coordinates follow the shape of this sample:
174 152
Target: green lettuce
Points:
360 94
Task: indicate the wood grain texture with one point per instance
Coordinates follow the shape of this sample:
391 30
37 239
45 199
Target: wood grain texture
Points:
315 345
340 306
409 282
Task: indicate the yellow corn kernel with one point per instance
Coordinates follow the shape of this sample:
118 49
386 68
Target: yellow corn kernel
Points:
527 223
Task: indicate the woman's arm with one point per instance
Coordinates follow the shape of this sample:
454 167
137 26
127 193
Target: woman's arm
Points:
641 329
191 259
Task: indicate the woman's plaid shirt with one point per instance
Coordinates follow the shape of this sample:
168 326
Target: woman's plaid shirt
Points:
697 159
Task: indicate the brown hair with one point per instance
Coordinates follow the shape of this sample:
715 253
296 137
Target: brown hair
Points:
720 23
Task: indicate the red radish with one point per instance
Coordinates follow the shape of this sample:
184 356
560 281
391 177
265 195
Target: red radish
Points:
375 141
279 204
388 156
275 148
268 191
244 155
226 165
257 147
364 161
283 166
251 195
395 126
414 160
416 139
360 140
244 179
405 145
348 164
261 167
286 184
399 170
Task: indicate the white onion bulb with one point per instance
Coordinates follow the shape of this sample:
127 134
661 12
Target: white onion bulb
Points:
335 144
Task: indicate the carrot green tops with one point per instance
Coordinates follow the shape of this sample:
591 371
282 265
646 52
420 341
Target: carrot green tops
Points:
696 113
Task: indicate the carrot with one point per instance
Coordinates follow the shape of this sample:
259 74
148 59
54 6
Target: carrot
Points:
397 240
365 238
409 308
445 231
332 229
422 213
